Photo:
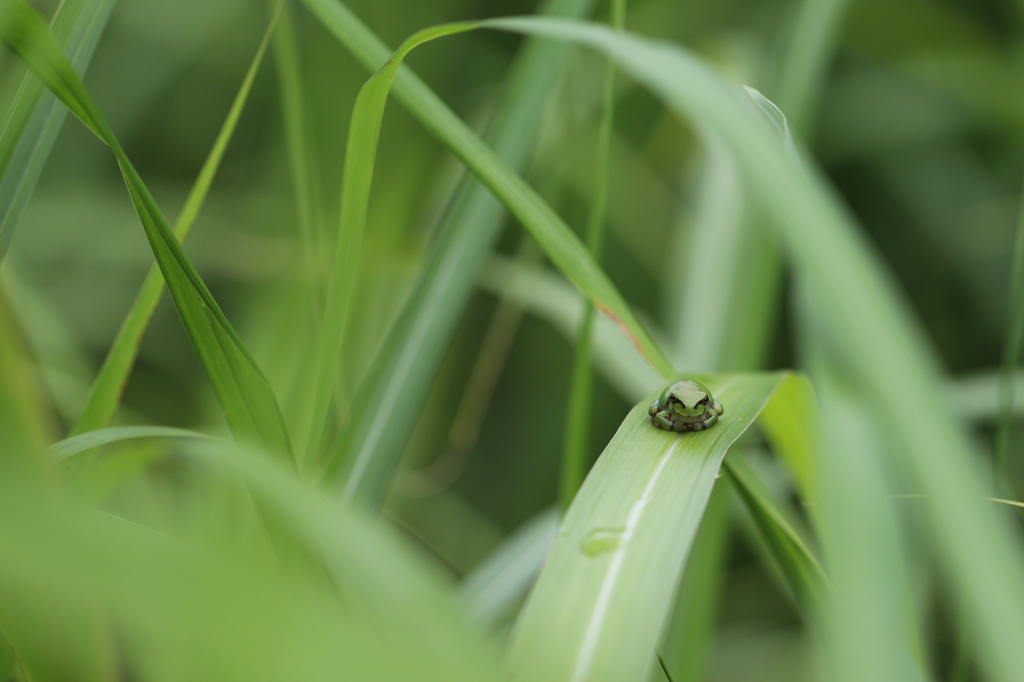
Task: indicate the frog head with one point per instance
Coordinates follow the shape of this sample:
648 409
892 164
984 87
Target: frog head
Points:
686 399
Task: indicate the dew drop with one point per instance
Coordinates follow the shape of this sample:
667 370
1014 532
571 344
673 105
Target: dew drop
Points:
602 540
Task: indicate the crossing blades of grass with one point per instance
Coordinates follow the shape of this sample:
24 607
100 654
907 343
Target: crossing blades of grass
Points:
602 599
106 390
412 350
546 227
874 327
35 117
243 392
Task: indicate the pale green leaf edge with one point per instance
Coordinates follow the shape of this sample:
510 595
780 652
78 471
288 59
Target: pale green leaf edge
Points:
84 442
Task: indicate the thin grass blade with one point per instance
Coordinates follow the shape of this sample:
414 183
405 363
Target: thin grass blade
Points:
1011 358
84 442
577 422
360 153
979 395
601 601
302 157
244 394
803 574
35 117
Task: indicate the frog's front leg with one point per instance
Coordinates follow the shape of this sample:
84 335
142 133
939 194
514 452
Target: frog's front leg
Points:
662 421
708 421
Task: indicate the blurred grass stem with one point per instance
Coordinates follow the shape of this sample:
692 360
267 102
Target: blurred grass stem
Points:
578 413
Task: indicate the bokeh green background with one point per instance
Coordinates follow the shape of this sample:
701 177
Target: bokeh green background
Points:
918 124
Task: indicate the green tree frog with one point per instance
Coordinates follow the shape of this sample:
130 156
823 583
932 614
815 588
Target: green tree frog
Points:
685 406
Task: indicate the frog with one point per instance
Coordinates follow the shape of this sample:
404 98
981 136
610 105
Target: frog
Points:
685 406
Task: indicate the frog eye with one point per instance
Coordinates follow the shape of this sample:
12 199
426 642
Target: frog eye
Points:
703 402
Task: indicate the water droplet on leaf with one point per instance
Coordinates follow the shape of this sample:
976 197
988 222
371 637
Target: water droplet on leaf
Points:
602 540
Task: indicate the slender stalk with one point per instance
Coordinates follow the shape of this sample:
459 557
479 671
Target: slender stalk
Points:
578 412
1011 355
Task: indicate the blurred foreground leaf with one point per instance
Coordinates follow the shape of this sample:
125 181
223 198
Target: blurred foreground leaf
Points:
216 600
83 442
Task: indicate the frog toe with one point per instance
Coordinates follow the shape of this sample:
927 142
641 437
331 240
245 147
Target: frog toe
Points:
662 422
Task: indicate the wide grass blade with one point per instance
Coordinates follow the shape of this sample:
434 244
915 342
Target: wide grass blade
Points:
105 393
365 607
601 601
688 642
244 394
871 624
28 634
35 117
793 426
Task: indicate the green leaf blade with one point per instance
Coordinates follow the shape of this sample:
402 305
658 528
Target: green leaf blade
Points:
105 393
600 603
547 228
35 118
69 447
248 401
